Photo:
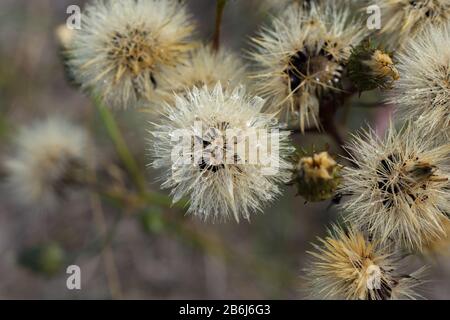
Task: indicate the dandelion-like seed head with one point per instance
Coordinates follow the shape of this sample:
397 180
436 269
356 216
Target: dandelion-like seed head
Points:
398 189
347 266
204 67
404 19
124 45
424 88
198 141
302 56
51 158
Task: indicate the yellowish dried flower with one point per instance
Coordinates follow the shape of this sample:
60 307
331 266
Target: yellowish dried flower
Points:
370 67
382 65
347 266
316 177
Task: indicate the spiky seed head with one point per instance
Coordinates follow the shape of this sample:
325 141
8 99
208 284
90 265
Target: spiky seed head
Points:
220 179
205 66
51 158
404 19
122 47
370 67
347 266
423 92
398 188
316 177
301 57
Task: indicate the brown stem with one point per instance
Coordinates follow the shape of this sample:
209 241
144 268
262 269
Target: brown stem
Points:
327 114
219 14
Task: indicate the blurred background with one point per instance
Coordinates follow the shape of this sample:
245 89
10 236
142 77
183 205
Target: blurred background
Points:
143 259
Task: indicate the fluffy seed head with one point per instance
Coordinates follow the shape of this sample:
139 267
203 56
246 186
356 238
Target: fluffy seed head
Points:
123 46
404 19
301 56
198 144
424 88
204 67
50 158
347 266
398 189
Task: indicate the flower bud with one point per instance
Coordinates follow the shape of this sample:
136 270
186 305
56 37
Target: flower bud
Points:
316 177
370 68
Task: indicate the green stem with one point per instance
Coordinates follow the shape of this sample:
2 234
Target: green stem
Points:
220 6
163 200
121 147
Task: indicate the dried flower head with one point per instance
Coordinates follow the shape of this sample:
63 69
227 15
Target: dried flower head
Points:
214 147
381 65
398 189
123 46
347 266
424 88
404 19
204 67
316 177
51 158
370 67
301 56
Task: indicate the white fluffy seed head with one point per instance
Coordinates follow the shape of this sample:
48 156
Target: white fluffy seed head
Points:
50 158
123 46
301 56
398 189
423 91
216 187
347 266
404 19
